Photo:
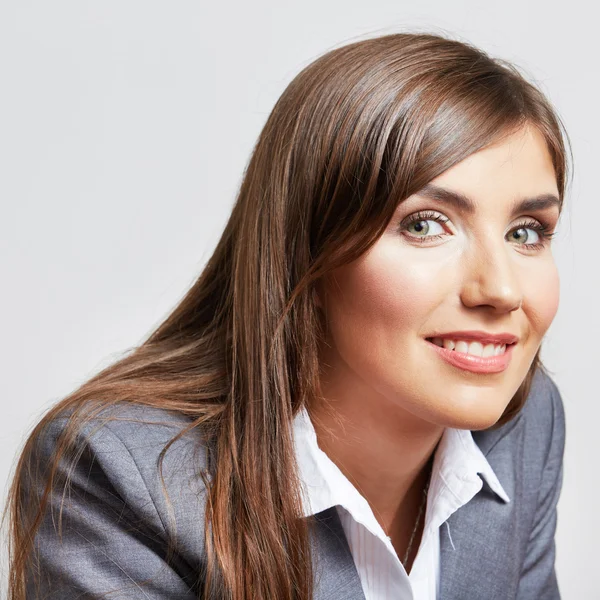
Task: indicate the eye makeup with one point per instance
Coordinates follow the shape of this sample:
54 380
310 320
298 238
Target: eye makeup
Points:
541 227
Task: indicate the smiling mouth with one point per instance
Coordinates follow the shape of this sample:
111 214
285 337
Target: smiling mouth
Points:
473 356
470 347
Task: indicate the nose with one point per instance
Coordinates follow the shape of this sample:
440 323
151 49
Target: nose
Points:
491 279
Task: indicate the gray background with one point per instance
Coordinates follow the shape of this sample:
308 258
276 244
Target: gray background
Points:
124 130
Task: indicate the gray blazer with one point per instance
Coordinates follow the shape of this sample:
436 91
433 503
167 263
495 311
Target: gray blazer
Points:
116 523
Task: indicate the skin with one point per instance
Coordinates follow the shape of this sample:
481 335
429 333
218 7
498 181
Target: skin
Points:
386 392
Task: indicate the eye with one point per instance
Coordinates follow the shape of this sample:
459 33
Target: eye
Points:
424 226
525 234
531 234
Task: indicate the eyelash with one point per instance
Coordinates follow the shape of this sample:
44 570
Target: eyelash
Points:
540 227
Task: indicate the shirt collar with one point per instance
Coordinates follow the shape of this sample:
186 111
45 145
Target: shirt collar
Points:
457 464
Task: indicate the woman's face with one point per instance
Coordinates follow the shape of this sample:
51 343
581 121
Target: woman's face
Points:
466 258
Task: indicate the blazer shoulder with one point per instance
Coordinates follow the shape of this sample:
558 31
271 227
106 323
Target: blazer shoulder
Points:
541 420
120 450
544 416
138 431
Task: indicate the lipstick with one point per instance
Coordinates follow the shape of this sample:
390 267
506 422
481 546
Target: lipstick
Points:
475 364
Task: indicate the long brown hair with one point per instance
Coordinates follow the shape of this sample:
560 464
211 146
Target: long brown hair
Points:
357 131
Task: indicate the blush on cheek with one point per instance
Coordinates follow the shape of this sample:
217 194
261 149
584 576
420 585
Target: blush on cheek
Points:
542 298
388 283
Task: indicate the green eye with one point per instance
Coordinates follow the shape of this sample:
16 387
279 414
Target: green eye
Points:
521 234
531 234
424 225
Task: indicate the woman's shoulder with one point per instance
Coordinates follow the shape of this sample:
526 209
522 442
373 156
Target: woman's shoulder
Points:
138 431
540 424
544 409
118 467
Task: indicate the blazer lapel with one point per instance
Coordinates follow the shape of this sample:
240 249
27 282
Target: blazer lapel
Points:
477 559
336 577
475 542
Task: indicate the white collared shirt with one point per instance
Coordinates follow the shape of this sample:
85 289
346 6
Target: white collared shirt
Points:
454 481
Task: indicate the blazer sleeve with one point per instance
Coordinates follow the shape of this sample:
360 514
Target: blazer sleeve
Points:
112 541
538 576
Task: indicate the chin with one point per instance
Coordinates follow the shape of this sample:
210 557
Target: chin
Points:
474 422
475 413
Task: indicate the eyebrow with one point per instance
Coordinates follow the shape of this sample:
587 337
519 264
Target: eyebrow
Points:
466 204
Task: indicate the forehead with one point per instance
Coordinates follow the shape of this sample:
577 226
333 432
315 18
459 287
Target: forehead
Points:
519 165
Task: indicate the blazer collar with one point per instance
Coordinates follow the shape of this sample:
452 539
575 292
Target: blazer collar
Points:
336 577
470 566
464 559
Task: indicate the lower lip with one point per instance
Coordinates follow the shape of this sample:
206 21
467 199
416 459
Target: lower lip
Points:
475 364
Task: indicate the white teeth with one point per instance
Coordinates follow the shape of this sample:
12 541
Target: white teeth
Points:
488 350
474 348
449 344
462 347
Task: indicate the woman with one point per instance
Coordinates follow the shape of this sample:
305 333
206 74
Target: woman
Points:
349 403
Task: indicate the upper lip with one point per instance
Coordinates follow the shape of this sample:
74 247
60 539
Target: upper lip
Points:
479 336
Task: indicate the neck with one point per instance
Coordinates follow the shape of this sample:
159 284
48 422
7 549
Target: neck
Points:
382 449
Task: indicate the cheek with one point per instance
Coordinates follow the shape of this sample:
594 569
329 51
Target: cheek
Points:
385 293
541 297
